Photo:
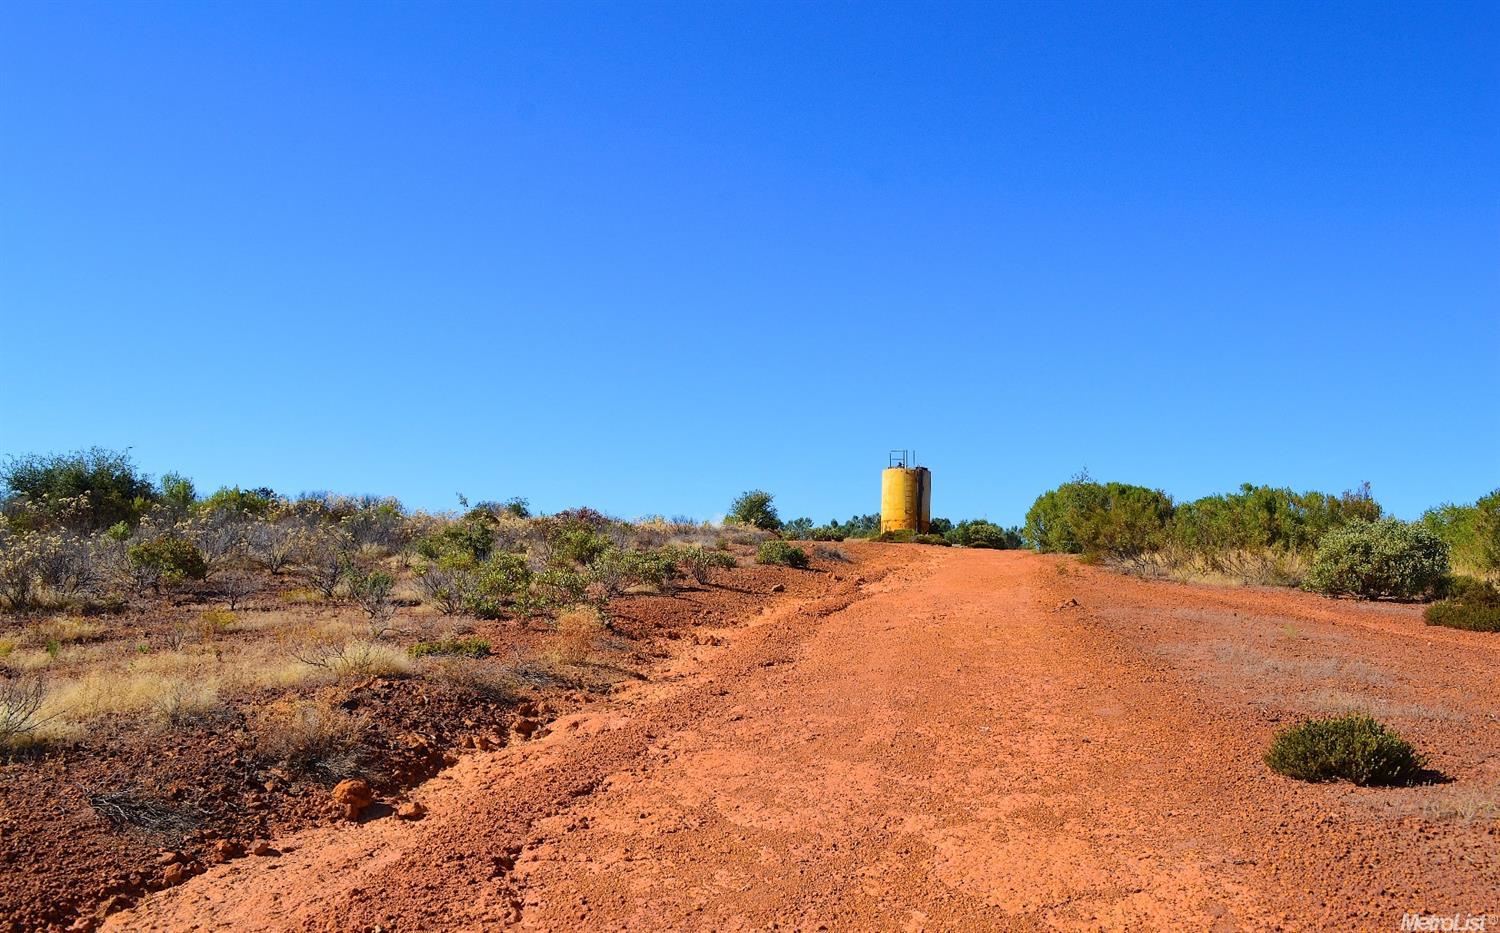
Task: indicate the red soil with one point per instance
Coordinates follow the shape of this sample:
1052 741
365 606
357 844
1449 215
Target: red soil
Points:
940 739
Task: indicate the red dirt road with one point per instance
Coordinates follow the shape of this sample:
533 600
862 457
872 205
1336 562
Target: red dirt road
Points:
943 747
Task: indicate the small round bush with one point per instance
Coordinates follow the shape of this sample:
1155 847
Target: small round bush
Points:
1374 560
780 552
1471 604
1352 748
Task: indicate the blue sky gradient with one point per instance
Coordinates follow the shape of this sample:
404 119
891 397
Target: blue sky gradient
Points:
645 256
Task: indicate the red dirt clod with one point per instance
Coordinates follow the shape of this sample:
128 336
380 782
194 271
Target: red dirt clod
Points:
353 794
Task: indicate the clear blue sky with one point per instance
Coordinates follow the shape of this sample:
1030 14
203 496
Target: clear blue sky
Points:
645 256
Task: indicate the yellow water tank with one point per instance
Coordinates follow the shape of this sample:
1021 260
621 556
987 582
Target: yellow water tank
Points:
906 499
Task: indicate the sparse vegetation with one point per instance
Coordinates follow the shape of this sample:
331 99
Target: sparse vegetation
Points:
1352 748
312 638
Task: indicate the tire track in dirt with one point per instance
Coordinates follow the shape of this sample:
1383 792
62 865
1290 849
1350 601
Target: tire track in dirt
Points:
942 748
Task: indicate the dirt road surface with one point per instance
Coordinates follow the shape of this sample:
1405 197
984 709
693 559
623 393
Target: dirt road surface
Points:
946 739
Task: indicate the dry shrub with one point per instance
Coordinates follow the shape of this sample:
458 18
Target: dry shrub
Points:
223 620
489 680
185 703
580 633
831 554
309 736
29 659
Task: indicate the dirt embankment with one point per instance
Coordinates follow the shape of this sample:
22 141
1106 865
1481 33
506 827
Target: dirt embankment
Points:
134 804
969 739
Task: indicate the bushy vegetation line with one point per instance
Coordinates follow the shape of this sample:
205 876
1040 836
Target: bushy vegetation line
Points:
1334 544
969 533
87 531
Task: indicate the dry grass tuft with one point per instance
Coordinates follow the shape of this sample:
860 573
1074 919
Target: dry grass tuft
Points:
302 596
64 630
173 688
1464 807
1250 567
354 659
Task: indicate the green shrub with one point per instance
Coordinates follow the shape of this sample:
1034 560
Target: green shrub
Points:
1385 559
938 540
554 589
576 543
1265 518
371 591
1099 519
497 584
250 503
1352 748
754 508
700 562
471 647
171 559
616 570
473 535
178 495
782 553
895 536
1472 533
858 526
1469 604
